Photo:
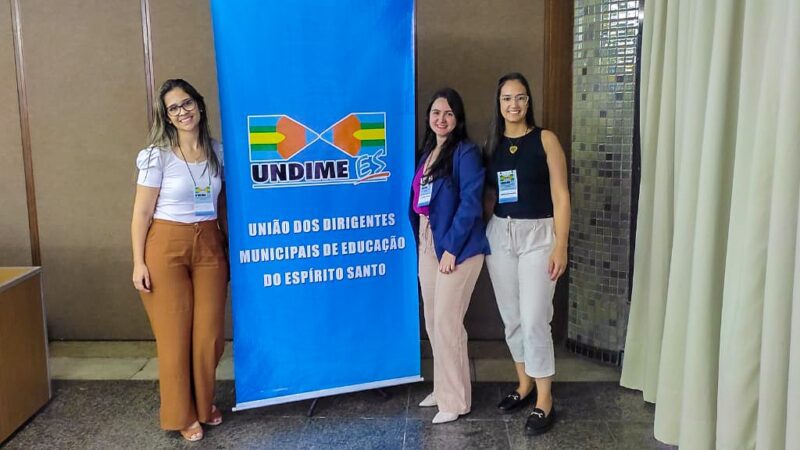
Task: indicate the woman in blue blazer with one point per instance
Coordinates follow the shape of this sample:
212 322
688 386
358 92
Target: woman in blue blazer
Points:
446 212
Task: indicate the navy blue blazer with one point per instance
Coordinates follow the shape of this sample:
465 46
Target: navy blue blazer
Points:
456 207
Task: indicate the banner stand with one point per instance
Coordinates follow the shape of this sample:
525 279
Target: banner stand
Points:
382 392
325 393
317 100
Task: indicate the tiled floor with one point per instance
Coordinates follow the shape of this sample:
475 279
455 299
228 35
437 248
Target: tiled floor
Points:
124 414
127 360
105 397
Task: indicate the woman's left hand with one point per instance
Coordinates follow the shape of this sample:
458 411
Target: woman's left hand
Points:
557 263
448 263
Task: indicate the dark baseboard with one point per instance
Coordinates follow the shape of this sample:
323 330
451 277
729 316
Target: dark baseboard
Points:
613 357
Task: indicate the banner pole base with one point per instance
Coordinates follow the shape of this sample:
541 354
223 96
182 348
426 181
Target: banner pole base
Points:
328 392
311 408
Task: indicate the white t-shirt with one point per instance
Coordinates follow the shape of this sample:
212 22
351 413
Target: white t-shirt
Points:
163 169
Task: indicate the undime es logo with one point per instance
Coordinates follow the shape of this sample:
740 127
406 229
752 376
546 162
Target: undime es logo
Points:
276 143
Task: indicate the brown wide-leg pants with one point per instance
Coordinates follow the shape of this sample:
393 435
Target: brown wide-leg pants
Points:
188 276
445 299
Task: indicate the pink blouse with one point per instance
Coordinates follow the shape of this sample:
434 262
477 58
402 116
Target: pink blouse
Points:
415 186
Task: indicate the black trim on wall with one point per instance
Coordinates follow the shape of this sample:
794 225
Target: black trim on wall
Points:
25 134
147 43
559 24
636 151
600 354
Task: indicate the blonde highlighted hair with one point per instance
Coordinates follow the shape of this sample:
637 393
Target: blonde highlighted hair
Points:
164 135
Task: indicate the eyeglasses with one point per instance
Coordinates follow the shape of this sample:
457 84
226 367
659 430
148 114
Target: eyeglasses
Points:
516 98
187 105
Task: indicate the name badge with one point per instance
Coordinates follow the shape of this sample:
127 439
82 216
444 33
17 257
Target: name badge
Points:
507 184
203 201
425 191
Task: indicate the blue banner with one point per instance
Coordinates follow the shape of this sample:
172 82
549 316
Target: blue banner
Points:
317 101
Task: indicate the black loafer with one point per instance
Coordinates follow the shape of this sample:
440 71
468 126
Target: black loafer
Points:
539 423
513 401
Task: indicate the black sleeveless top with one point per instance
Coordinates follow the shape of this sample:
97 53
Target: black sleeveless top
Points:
533 177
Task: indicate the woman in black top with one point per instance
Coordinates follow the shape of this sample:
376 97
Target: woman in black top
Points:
528 232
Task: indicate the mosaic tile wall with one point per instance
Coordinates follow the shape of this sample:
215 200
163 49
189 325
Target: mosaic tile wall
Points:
603 108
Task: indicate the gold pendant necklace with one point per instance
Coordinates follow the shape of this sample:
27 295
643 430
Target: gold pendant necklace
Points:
513 148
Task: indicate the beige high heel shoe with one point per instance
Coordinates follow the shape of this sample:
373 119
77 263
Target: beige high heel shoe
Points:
194 433
216 417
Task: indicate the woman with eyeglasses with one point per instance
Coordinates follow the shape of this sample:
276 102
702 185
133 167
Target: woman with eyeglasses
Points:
445 212
179 263
528 231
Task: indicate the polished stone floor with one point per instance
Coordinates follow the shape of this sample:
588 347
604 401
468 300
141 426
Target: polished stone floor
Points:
105 396
136 360
123 414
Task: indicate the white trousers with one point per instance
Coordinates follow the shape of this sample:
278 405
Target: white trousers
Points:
518 268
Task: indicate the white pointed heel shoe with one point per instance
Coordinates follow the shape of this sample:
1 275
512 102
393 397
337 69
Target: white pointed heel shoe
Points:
444 417
429 401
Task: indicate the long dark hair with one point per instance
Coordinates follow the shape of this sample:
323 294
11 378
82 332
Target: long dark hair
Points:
163 134
443 166
498 127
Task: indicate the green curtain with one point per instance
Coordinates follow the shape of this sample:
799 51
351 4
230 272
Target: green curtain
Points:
714 328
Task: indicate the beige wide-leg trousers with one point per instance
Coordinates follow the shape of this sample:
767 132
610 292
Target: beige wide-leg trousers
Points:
445 299
188 275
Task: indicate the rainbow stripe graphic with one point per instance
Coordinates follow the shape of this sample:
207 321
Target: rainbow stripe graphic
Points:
506 178
357 132
277 137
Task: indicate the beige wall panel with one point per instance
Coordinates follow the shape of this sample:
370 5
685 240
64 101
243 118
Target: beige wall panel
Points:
15 246
183 47
468 45
86 83
85 75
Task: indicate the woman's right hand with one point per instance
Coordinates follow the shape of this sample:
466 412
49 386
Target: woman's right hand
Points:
143 206
141 278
